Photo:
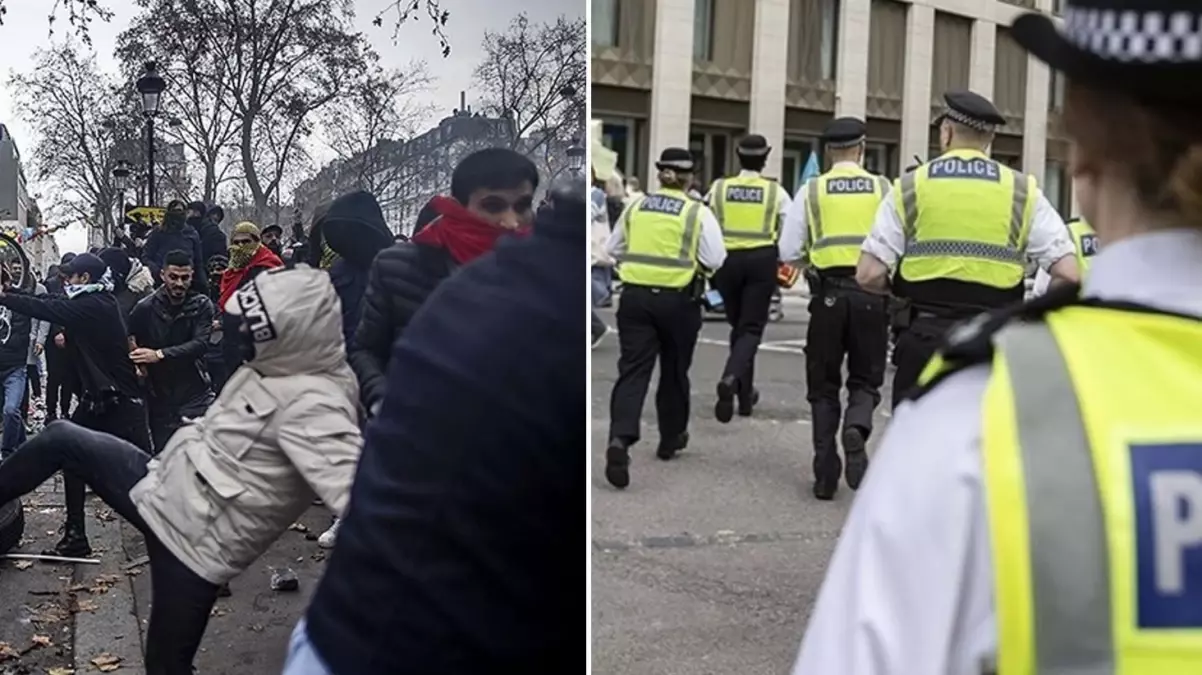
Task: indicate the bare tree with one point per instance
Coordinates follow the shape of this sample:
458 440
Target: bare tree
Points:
207 126
65 100
524 76
367 126
80 15
401 12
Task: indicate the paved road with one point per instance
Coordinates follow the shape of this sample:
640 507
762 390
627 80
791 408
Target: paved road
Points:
710 564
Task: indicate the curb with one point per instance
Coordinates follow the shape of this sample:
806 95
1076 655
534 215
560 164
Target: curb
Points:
112 628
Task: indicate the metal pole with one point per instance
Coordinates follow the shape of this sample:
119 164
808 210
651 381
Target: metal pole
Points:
119 223
150 159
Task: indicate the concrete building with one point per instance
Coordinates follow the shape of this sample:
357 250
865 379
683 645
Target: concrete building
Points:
14 196
784 68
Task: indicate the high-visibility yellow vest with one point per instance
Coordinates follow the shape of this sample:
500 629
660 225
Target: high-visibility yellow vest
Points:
663 232
1086 242
841 206
966 217
748 209
1092 449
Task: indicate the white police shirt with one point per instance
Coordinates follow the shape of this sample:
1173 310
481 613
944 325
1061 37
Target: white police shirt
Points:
711 249
909 591
795 232
1047 242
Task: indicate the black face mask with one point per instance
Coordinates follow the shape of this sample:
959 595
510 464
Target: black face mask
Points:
194 221
174 221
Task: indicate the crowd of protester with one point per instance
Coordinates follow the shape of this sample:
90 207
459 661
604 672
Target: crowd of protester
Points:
429 390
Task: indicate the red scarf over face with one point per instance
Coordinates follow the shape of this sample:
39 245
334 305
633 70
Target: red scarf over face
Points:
462 233
232 278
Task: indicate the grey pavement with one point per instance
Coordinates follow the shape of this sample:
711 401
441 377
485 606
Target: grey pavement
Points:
101 611
710 564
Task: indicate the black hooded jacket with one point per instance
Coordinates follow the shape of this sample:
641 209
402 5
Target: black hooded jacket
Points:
175 235
212 240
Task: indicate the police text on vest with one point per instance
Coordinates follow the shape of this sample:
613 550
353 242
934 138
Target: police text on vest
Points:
859 185
1167 490
744 194
974 168
662 204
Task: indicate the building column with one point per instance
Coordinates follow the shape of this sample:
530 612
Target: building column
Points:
1035 119
983 60
671 80
769 76
851 83
916 89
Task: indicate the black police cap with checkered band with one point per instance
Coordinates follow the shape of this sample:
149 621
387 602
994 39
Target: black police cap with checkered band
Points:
1149 48
844 132
753 145
678 159
972 110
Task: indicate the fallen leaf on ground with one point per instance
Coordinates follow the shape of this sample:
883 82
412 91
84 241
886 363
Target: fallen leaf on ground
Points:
7 652
106 662
61 671
41 641
217 611
23 564
87 606
298 527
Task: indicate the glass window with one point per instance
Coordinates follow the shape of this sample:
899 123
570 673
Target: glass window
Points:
604 23
879 158
703 30
1055 91
830 38
1055 188
617 136
718 145
697 147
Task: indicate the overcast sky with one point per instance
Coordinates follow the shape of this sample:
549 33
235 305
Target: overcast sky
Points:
25 30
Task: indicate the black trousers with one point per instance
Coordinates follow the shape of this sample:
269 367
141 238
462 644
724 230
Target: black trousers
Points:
913 349
844 323
61 384
746 281
125 419
653 324
167 418
181 600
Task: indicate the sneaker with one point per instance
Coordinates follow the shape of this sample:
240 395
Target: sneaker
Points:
330 536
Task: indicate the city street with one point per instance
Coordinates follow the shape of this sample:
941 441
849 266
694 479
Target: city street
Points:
94 618
711 563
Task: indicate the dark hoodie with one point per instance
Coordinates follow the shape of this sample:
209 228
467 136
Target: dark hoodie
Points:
175 234
354 228
212 239
120 266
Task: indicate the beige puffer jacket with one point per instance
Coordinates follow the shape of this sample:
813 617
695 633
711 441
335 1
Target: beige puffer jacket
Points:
284 428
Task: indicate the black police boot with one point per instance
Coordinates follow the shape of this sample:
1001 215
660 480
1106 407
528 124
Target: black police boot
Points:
855 450
669 447
724 409
617 464
748 403
74 544
827 469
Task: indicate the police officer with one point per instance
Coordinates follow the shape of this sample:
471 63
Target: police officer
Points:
1085 241
828 223
749 208
664 242
959 230
1038 509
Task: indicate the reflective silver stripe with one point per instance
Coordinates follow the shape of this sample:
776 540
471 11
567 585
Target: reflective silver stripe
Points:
952 248
719 196
845 240
1017 207
770 213
1070 566
812 195
1013 251
685 259
884 184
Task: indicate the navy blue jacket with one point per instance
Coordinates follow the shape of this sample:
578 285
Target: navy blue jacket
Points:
460 551
161 241
350 283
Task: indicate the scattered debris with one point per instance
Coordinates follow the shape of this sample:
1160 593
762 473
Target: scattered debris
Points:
86 606
23 564
106 662
137 562
7 652
217 611
61 671
318 556
299 527
284 581
103 583
41 641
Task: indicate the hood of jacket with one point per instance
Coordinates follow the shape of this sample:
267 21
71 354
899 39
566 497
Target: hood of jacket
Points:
294 319
355 229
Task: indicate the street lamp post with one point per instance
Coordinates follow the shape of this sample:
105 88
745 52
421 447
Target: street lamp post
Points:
120 184
151 86
576 152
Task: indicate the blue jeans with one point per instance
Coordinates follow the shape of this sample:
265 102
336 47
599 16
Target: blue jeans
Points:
302 658
14 423
603 283
600 293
